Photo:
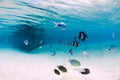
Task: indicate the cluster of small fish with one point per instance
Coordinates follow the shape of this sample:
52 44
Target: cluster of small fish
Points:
74 63
74 43
27 42
77 63
81 36
61 68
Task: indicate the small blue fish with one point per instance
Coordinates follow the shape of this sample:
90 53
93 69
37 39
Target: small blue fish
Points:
61 25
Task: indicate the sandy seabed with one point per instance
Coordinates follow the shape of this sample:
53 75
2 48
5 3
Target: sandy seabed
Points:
19 66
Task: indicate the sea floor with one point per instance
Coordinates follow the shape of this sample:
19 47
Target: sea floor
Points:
20 66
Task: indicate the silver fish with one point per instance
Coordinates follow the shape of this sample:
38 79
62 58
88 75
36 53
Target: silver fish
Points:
74 62
85 54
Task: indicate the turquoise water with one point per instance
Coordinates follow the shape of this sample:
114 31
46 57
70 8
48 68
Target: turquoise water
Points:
37 36
33 20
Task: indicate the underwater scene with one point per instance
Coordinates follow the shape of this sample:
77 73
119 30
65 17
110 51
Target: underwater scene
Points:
59 39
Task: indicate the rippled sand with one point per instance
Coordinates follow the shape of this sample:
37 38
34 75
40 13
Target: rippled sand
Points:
20 66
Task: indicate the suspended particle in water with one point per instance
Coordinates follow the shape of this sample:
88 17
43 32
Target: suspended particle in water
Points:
85 54
40 47
41 42
113 35
26 42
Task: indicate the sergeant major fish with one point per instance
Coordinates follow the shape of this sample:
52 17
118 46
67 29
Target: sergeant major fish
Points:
82 36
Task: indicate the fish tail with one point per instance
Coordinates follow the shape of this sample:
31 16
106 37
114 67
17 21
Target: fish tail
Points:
55 24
